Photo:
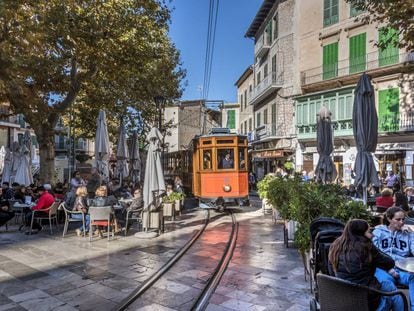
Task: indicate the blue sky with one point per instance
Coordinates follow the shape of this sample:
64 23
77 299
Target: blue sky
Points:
233 53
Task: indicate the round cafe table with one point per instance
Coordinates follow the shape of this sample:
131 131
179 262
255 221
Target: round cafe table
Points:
406 264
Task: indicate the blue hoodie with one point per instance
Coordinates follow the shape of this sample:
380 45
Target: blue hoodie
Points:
397 244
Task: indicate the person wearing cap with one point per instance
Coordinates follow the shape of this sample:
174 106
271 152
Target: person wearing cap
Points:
45 201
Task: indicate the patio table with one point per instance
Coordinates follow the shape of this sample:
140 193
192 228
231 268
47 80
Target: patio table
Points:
406 264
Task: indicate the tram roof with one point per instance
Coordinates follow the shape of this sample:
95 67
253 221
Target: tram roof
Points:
219 135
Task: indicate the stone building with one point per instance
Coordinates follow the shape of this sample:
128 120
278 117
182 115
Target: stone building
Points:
274 86
334 49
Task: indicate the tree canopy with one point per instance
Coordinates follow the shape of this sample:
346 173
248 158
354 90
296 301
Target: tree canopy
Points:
398 14
93 54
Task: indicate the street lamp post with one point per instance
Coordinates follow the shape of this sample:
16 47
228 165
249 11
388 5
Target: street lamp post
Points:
160 103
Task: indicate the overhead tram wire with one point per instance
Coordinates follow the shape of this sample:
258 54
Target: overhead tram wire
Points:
212 48
211 34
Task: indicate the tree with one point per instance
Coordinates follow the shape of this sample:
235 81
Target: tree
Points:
398 14
109 54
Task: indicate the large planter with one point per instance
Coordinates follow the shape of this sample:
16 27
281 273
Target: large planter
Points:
177 206
168 209
266 206
291 227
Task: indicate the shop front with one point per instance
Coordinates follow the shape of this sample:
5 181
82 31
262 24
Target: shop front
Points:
268 161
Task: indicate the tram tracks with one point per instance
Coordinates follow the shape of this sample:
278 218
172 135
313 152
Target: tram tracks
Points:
202 300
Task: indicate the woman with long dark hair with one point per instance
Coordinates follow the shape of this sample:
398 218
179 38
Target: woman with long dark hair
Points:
394 240
354 258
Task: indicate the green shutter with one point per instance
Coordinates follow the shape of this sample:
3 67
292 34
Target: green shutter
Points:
388 110
269 33
231 119
330 12
388 55
330 61
357 53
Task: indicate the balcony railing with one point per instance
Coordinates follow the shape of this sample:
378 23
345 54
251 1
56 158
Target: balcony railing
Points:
262 46
397 122
340 127
346 67
267 131
270 84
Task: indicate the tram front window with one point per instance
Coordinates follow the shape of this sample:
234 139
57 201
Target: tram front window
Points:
207 159
242 160
225 158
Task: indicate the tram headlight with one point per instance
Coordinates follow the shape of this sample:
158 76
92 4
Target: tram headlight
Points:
226 188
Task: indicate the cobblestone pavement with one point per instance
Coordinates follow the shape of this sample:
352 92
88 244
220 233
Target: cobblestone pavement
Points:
48 272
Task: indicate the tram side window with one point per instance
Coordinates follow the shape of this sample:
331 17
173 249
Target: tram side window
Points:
242 160
207 159
225 158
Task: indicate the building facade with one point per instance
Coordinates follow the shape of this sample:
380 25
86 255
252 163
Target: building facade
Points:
275 85
230 117
334 49
244 85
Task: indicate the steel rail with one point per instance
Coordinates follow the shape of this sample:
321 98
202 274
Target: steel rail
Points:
203 299
157 275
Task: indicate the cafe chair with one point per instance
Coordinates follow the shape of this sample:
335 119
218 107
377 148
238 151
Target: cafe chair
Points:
18 210
336 294
46 214
381 209
69 218
409 221
100 216
133 214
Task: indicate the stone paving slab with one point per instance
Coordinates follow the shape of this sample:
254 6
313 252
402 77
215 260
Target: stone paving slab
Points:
48 272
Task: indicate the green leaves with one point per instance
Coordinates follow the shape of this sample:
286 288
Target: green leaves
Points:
396 14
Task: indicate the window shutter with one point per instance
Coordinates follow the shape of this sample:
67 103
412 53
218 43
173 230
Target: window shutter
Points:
388 55
231 119
388 109
357 53
330 61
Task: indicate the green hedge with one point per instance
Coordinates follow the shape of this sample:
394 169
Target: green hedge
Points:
305 201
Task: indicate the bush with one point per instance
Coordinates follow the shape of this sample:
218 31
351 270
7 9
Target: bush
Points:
305 201
263 186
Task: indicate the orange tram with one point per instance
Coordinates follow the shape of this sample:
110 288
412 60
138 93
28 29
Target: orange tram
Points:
220 168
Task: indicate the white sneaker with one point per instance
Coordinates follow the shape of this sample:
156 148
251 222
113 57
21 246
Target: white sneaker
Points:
78 232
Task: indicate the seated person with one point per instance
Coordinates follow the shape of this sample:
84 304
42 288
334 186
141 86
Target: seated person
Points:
354 258
45 201
102 199
5 213
227 162
81 205
137 201
397 242
400 200
385 199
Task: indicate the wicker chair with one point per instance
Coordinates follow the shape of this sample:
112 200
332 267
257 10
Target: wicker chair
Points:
133 214
336 294
69 219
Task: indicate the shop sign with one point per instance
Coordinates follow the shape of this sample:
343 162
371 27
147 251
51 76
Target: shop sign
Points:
269 154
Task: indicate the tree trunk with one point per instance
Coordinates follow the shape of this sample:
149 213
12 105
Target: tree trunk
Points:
46 139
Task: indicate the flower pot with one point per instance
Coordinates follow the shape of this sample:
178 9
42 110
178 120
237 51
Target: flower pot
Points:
177 206
266 206
291 229
167 209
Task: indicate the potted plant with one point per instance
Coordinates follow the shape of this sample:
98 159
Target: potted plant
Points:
263 189
168 205
178 198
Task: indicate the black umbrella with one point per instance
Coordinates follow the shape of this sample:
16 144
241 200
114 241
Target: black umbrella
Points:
365 124
325 169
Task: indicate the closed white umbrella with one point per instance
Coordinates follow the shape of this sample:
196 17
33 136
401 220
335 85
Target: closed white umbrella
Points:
28 152
122 154
2 156
135 160
7 167
154 184
102 146
16 159
24 174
